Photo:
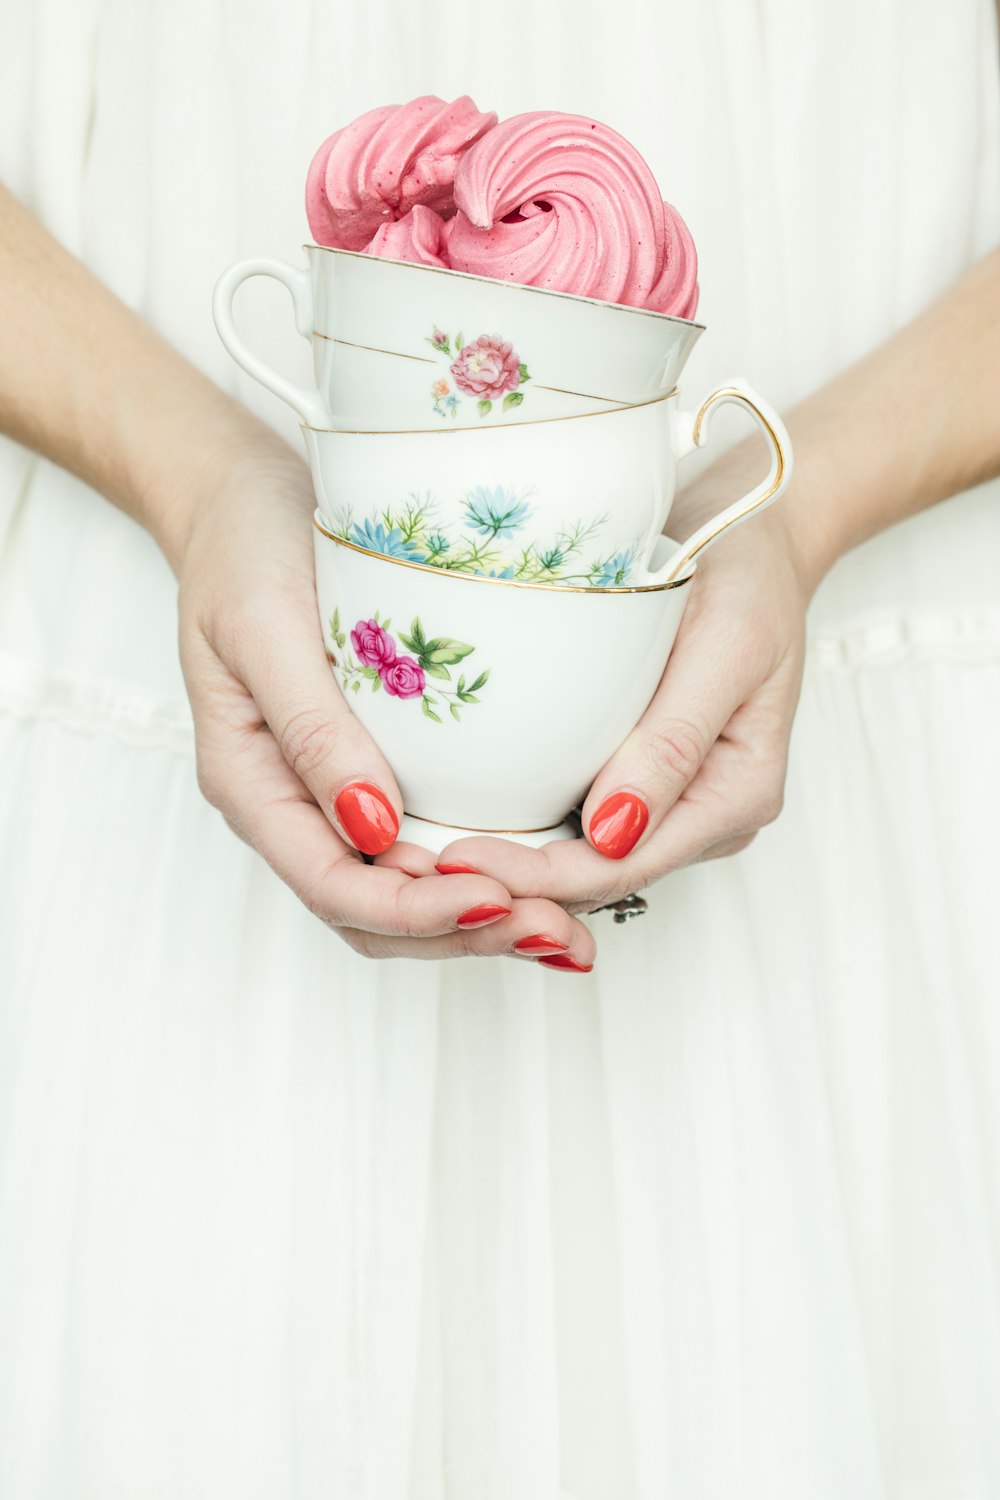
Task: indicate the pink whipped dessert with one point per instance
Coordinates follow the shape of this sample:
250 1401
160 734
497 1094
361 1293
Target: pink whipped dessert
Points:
543 199
377 170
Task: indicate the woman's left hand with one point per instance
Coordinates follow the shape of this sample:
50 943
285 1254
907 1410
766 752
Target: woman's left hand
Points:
705 767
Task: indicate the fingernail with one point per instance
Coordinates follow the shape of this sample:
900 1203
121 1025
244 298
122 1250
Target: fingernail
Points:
617 825
538 943
366 817
563 961
457 869
478 916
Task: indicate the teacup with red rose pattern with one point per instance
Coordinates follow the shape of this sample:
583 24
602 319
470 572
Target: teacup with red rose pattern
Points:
494 702
397 345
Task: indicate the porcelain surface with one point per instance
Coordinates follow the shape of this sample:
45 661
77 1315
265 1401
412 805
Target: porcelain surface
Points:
495 703
579 501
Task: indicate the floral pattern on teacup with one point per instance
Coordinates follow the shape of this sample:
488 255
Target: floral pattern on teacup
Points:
489 544
374 657
486 368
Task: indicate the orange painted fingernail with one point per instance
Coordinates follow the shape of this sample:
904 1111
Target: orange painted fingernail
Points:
618 824
366 817
457 868
563 961
537 944
478 916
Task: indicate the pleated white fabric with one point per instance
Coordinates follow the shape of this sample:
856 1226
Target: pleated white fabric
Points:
721 1220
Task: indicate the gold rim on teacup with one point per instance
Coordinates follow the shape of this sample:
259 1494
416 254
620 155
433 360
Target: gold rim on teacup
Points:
576 416
510 583
493 832
520 286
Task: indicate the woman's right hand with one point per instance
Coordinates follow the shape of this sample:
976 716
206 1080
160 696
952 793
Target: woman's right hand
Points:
281 755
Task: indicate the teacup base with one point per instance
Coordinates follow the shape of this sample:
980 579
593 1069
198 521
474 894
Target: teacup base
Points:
436 836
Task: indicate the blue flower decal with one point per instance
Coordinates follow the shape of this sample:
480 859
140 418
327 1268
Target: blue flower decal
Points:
500 572
615 572
495 513
375 538
437 544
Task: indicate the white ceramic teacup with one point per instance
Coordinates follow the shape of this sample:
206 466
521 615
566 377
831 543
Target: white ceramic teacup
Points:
576 501
495 702
400 345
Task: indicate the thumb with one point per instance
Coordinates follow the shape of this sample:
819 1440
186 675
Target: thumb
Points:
663 754
287 672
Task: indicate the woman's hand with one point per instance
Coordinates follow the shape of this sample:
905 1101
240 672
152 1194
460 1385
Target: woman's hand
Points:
283 758
705 767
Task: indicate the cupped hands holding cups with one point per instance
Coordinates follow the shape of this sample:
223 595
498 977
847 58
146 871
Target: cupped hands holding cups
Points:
279 751
294 773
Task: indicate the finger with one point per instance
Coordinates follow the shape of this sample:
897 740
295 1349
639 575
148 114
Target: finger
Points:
738 791
698 695
567 871
280 657
725 847
410 858
335 884
534 930
243 773
722 811
553 931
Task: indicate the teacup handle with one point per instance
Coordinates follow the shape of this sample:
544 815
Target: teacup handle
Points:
693 433
307 403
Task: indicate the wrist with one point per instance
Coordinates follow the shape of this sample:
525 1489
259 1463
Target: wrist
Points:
173 491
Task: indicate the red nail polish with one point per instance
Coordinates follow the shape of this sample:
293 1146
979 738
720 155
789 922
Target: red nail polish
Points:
538 943
563 961
366 817
457 869
618 824
478 916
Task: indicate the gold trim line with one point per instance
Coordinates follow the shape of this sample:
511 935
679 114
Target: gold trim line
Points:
510 583
491 832
421 359
577 416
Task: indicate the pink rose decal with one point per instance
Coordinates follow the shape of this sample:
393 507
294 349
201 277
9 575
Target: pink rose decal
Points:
375 647
487 368
403 678
371 663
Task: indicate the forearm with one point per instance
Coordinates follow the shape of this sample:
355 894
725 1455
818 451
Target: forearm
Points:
912 423
85 382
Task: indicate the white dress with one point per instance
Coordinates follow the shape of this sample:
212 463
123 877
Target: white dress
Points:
719 1222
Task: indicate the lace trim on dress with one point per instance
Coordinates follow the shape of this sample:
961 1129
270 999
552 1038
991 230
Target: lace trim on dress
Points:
943 635
84 706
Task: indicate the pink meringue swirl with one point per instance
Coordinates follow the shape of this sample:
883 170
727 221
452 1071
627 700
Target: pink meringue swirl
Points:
387 161
563 202
418 236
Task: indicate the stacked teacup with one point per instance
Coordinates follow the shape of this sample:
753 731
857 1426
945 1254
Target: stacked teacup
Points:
494 467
